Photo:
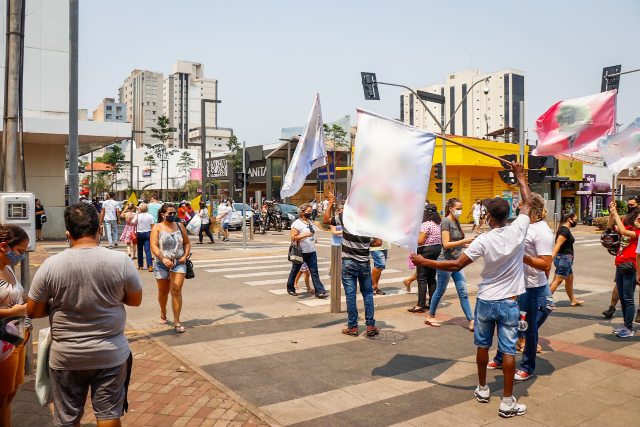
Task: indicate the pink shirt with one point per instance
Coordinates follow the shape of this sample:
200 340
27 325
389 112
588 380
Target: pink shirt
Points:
433 233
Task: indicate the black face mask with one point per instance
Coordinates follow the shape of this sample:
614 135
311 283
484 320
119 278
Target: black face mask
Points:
170 218
573 223
307 215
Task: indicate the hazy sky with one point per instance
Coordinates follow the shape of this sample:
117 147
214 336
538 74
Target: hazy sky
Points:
271 57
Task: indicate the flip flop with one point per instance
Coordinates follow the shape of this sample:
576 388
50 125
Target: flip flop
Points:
377 291
163 320
433 323
180 329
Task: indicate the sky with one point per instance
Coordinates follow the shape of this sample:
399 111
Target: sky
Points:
271 57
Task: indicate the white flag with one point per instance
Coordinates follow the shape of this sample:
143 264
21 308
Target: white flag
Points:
391 170
622 150
311 153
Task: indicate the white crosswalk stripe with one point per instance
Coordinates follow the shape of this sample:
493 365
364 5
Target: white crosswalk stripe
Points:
257 267
275 281
226 260
263 273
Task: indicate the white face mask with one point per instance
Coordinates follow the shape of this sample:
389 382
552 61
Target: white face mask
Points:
457 213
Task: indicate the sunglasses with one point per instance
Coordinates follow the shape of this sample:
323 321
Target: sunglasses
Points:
170 214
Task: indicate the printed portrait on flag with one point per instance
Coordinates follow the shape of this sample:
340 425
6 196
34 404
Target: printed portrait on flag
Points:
622 150
391 170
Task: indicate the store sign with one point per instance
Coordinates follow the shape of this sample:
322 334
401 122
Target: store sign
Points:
568 186
146 173
571 169
588 177
257 171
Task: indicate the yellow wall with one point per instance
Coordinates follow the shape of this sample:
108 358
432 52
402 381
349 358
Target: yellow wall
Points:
464 165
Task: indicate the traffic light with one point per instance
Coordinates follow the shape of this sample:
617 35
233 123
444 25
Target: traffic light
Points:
439 187
536 176
438 171
506 175
536 163
370 86
610 83
239 180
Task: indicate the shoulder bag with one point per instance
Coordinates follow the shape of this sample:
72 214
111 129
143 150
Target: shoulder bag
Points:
43 382
43 218
190 273
295 253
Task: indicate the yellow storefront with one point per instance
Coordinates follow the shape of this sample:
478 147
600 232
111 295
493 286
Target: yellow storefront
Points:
473 175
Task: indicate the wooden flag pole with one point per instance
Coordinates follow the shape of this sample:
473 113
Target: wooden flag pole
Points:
501 160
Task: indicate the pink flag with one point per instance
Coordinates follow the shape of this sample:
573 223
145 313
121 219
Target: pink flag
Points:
576 124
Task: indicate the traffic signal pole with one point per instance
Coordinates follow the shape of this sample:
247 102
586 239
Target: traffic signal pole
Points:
244 198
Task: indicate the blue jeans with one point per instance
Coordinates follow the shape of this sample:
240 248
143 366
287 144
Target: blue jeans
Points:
535 303
461 286
311 259
352 273
502 313
144 244
626 284
111 231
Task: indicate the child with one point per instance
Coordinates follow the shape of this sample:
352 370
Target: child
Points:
502 282
304 269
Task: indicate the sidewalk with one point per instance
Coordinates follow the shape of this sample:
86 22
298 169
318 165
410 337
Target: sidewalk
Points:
162 392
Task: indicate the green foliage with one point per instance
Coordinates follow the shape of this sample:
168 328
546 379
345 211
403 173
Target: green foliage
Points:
191 187
163 132
570 114
100 184
150 162
113 158
235 155
186 163
336 134
622 207
601 222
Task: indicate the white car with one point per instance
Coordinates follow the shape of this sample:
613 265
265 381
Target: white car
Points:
236 216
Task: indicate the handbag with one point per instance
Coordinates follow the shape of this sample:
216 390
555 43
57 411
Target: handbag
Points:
43 218
626 268
411 264
43 382
295 253
190 273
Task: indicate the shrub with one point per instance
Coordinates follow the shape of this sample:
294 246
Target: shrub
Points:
601 223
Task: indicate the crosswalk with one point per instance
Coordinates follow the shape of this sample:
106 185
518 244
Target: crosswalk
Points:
586 242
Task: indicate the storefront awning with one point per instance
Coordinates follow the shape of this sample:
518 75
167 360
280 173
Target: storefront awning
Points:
282 151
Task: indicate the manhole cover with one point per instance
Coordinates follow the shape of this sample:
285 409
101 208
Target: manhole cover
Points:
390 336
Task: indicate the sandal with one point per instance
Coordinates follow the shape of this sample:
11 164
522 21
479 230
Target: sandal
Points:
432 322
163 320
179 329
377 291
321 296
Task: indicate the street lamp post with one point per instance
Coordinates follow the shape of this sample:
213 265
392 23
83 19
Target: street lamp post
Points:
370 86
203 143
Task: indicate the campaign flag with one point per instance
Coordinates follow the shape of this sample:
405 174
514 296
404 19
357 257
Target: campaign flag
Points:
195 203
310 153
391 170
576 124
133 199
622 150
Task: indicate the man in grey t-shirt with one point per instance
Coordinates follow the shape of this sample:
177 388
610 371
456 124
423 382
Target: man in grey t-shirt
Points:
83 291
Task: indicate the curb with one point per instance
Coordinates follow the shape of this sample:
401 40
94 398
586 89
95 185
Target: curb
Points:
252 408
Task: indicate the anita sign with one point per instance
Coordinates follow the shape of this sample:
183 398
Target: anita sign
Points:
257 171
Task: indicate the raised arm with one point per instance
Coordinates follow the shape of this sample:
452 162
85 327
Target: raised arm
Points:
613 212
326 217
525 191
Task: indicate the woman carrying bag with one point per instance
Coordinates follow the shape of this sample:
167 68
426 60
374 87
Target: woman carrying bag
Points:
203 213
303 236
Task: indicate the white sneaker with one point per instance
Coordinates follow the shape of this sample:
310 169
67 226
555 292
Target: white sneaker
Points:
515 409
483 394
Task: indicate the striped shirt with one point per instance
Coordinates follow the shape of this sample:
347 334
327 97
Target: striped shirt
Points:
354 247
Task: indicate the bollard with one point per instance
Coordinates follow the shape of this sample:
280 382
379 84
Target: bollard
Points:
336 282
251 230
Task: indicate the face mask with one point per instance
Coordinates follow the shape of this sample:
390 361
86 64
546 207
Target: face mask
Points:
573 223
307 215
457 213
170 218
14 258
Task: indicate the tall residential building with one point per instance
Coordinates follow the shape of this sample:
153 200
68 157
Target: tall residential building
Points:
480 113
145 87
182 92
110 111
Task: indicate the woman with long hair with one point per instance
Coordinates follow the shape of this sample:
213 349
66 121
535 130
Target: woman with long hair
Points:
143 221
203 213
170 245
303 233
429 246
453 240
563 257
13 244
129 231
39 213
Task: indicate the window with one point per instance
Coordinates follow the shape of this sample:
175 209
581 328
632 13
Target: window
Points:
154 112
464 111
517 84
442 107
109 107
108 116
153 103
118 109
411 101
506 100
118 117
452 109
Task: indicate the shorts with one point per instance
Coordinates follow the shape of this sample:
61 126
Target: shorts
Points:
12 369
564 265
476 219
502 313
304 267
225 225
162 271
379 259
108 393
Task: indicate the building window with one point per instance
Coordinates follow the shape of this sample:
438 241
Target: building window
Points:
411 100
154 112
108 116
402 108
506 100
452 109
118 109
442 107
108 107
464 111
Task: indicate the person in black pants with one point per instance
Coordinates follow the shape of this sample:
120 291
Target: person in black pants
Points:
429 246
203 213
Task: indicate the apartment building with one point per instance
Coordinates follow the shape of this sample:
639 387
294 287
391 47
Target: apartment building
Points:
142 94
110 111
480 114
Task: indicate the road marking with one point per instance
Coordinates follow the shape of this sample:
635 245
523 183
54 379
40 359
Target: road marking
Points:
236 262
235 258
257 267
327 301
591 244
275 281
263 273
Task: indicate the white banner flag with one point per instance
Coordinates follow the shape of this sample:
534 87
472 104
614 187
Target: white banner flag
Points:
391 170
622 150
311 153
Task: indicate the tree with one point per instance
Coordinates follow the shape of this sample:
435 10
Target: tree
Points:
162 134
150 162
113 158
191 187
336 134
100 184
186 163
235 155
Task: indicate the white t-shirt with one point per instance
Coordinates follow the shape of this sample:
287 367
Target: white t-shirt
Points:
478 210
110 213
314 205
308 244
143 221
204 216
324 205
224 212
503 250
539 241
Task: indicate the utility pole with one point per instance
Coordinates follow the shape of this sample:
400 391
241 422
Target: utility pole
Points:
244 197
73 101
521 132
133 131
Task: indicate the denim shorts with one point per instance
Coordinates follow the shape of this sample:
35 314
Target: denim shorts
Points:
162 271
564 265
225 225
502 313
379 259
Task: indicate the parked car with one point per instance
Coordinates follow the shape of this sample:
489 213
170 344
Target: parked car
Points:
236 216
289 215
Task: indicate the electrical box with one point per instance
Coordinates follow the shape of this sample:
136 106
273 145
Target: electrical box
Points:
20 209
